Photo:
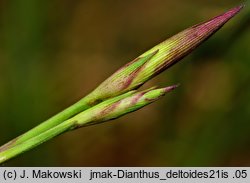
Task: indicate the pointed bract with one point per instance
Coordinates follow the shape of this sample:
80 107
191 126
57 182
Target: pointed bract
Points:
119 106
120 81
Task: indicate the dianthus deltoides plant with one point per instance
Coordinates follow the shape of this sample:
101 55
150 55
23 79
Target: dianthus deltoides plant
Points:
118 95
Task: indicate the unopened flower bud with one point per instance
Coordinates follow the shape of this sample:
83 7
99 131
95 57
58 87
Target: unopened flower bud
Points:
159 58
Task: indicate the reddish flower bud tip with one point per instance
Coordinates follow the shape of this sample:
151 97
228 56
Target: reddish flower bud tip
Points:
222 19
170 88
233 11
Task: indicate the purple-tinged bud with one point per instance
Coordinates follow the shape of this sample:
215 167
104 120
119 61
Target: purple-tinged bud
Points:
159 58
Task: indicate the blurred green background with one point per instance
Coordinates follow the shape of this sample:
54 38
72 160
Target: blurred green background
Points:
52 53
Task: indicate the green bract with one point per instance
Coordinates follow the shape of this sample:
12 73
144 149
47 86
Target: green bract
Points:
118 106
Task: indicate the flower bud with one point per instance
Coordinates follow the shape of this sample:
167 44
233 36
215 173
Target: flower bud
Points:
151 63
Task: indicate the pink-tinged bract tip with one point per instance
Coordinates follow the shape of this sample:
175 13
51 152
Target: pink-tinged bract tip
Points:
170 88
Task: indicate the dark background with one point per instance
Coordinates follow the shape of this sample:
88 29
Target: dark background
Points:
53 52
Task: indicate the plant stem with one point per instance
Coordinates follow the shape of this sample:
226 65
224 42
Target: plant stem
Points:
74 109
35 141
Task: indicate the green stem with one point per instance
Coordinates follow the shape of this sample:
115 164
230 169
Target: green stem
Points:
79 106
35 141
